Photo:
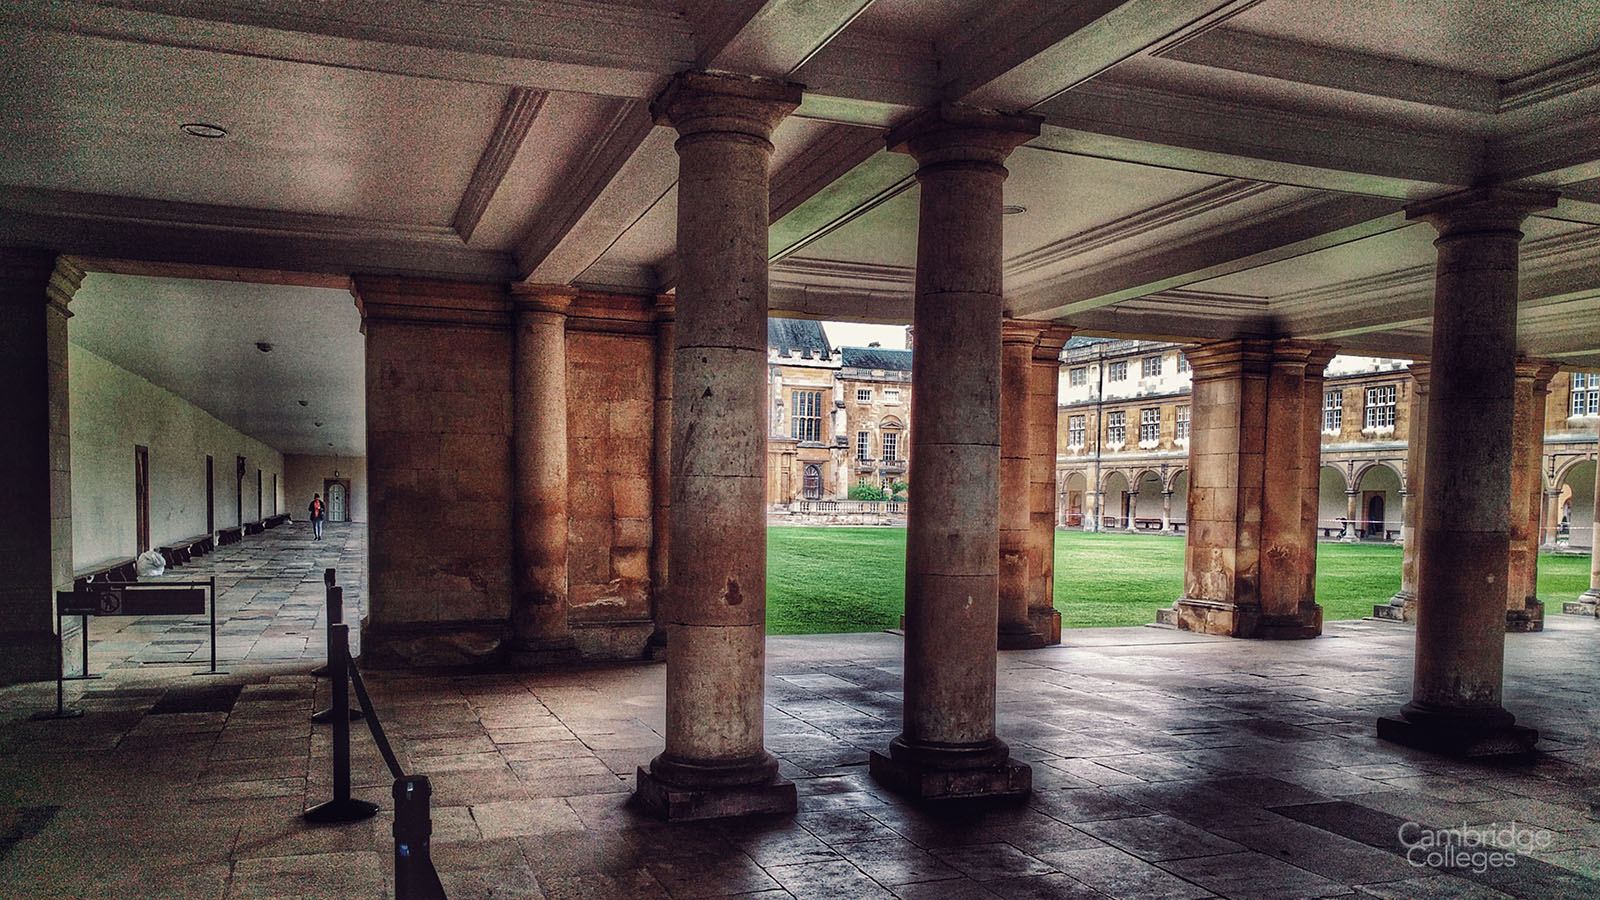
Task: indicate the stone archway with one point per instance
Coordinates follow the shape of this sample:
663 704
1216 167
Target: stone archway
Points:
1073 503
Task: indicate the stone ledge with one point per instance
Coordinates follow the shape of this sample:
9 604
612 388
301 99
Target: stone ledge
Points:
1526 620
675 804
1011 780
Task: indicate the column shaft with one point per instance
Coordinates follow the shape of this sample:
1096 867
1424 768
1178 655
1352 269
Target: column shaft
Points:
540 635
1403 605
948 745
1591 597
35 454
1018 338
1524 612
1464 528
715 763
661 477
1043 496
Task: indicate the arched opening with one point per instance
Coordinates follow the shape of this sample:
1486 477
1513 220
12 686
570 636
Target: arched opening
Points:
811 487
1575 506
1379 508
1115 496
1180 500
1070 508
1146 504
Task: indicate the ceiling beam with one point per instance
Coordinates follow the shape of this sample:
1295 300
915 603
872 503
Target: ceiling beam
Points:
1295 229
516 117
767 37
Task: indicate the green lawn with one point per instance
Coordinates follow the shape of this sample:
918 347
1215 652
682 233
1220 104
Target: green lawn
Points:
853 579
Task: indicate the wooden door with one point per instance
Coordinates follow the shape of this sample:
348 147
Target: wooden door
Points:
141 498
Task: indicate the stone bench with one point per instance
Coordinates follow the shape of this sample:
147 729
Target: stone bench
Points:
117 571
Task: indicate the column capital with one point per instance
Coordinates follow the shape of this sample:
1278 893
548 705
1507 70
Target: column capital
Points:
1539 371
1222 358
1020 331
1051 340
1312 355
1480 210
428 301
666 307
1420 373
553 299
952 132
39 270
700 103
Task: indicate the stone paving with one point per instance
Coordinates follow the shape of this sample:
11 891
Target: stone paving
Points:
1166 765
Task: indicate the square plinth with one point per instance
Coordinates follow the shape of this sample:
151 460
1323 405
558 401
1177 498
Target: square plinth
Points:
1008 781
677 804
1509 741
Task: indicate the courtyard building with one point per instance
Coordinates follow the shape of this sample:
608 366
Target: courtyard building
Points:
501 280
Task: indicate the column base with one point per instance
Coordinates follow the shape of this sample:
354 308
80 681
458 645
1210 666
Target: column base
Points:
936 773
1587 604
1020 637
1242 621
1528 619
1402 607
1046 621
1489 733
682 791
28 656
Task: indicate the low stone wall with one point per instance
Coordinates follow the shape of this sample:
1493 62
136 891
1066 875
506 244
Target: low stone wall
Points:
838 512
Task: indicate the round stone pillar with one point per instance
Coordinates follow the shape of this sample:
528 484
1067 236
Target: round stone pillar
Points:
1524 612
1044 385
1354 520
715 763
1591 597
948 747
1464 528
540 636
1403 605
1017 340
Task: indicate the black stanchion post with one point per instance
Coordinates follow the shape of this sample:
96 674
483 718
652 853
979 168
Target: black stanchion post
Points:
414 875
342 808
335 620
62 710
328 576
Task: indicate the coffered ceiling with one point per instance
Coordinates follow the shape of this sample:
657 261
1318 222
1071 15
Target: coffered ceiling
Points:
1206 168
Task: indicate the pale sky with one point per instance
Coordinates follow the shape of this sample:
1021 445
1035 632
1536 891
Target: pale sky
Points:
856 334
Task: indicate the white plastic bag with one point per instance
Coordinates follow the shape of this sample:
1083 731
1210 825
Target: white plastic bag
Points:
150 564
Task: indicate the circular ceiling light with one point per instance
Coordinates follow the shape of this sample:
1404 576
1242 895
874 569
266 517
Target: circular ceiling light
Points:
1011 209
203 130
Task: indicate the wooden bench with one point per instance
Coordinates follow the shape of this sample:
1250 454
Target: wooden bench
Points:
180 552
230 535
275 521
1147 524
117 571
254 528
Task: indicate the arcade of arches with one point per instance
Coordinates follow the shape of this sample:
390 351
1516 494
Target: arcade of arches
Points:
589 463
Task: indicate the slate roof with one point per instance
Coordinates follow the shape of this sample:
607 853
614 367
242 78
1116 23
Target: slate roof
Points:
876 358
796 336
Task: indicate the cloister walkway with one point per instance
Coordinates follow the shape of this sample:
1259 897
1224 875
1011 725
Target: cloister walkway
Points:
1166 764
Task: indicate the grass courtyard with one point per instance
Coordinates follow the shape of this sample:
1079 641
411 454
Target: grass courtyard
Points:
823 580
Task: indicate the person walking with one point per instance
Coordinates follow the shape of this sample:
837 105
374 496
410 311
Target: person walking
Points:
319 511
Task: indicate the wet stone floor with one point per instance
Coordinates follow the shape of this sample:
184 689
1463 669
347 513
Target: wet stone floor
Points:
1166 765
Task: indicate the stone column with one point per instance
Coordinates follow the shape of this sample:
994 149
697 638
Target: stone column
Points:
661 478
1354 517
1403 605
715 763
947 746
1254 450
1044 393
1552 519
1017 340
539 633
35 454
1464 528
1166 511
1590 599
1524 612
1130 502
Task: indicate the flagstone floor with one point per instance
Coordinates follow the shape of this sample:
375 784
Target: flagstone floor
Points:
1166 765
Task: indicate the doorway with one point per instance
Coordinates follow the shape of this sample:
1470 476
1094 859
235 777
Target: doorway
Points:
211 496
141 498
238 493
1374 507
336 493
812 488
258 495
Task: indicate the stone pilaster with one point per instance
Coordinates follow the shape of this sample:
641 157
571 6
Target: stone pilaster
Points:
1254 450
1464 527
1044 394
1524 612
1588 603
947 747
1403 605
539 604
715 763
440 486
1017 341
36 455
661 476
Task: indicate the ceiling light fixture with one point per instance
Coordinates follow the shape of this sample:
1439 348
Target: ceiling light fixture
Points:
301 402
1011 209
263 346
203 130
318 424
